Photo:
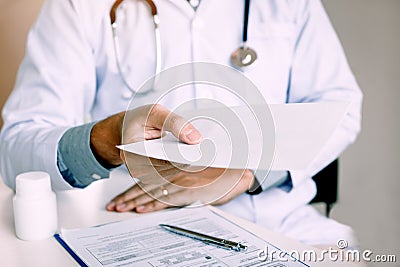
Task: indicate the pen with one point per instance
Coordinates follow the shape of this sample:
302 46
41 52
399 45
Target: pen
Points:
205 238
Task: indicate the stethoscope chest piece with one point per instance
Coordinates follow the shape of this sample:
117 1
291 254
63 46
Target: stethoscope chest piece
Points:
243 56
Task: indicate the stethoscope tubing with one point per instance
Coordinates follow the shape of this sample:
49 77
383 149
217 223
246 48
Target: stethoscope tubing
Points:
238 57
245 21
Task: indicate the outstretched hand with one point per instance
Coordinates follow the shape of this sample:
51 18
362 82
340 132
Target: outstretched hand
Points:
209 186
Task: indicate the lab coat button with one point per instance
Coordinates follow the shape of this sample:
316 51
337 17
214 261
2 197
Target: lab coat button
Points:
96 176
127 94
197 24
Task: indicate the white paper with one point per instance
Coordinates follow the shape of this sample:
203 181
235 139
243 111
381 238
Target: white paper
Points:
241 138
141 242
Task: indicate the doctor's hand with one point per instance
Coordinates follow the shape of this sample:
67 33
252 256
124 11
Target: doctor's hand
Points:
209 186
143 123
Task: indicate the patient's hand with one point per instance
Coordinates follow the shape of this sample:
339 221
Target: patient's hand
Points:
209 186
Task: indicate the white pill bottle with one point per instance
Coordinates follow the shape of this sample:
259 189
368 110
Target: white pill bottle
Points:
35 207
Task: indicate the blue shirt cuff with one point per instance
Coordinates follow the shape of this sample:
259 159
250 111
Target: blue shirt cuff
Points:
75 159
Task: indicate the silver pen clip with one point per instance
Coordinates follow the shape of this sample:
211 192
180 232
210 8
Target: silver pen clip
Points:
211 240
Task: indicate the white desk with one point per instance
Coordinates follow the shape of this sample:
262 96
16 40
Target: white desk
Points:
83 208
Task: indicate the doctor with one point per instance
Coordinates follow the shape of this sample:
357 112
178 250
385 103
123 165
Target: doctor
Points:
76 75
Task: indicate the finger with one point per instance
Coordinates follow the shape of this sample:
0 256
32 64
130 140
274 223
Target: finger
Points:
146 170
178 199
162 118
126 200
139 168
158 177
119 203
132 193
133 203
157 194
116 204
240 187
140 195
152 206
136 159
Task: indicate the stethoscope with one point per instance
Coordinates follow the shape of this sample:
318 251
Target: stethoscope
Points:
243 56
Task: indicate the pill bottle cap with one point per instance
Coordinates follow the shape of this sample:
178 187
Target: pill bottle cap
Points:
33 184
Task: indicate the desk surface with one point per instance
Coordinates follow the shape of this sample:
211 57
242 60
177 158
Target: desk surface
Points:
83 208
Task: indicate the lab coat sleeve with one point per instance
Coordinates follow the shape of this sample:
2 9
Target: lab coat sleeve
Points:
320 73
54 90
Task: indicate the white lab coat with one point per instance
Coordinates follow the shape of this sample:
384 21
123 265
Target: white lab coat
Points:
70 71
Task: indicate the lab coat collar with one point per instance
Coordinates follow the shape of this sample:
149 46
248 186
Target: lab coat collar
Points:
182 5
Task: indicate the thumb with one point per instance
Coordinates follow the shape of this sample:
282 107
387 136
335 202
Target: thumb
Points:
188 134
177 125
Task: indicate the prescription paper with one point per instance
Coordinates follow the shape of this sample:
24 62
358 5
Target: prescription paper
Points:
142 242
288 137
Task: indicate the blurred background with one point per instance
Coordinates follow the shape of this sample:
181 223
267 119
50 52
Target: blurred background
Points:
369 179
